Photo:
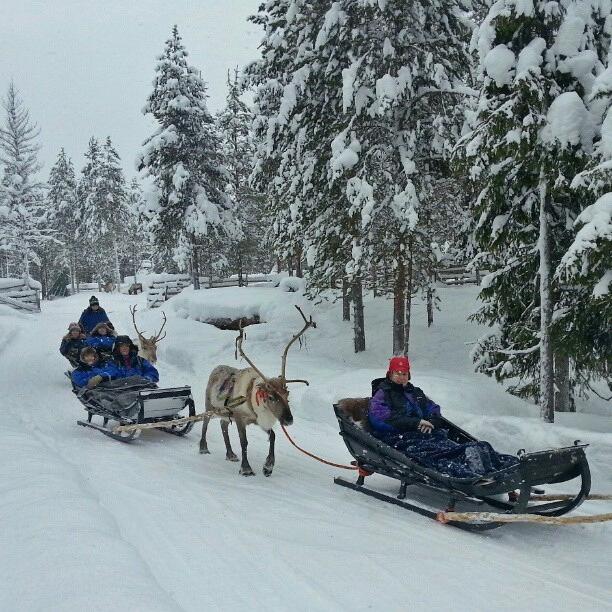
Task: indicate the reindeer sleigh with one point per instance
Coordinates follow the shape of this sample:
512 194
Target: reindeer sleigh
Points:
134 405
519 484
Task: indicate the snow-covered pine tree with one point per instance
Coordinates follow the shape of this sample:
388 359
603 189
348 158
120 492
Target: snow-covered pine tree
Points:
388 154
23 225
139 239
538 61
184 159
105 215
584 324
63 213
235 126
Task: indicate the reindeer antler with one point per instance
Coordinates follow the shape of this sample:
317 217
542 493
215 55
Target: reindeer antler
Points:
133 312
239 340
307 323
157 337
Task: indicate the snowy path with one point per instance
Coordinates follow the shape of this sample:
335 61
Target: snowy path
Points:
92 524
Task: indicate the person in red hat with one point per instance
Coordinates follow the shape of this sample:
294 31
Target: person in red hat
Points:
397 405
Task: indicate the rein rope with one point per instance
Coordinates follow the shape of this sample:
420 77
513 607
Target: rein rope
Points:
316 457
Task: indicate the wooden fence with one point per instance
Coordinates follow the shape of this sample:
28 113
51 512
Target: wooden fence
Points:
459 275
20 294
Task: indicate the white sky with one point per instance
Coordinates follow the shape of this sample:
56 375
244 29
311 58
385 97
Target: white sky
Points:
85 67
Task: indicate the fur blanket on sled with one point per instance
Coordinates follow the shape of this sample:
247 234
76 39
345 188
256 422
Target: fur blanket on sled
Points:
118 397
437 452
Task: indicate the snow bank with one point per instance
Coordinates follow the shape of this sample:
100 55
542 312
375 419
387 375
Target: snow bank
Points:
269 303
9 283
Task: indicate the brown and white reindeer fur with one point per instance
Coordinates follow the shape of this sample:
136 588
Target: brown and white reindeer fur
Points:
261 406
248 397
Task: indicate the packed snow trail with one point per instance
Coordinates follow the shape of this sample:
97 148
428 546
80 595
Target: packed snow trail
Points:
92 524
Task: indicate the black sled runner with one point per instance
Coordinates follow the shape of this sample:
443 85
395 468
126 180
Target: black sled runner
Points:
135 401
508 491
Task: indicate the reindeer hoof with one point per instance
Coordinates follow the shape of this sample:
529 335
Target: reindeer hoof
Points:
267 470
204 451
248 471
231 457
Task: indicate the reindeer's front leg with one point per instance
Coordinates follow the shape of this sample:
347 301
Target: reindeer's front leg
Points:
269 464
245 468
203 445
230 455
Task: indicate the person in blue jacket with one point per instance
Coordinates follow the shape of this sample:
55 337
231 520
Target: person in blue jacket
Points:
93 315
72 344
127 361
92 371
398 406
102 339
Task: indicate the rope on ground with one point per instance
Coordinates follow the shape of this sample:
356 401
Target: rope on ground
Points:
317 458
493 517
563 497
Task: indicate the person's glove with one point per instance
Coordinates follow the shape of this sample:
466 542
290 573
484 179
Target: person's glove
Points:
93 381
425 426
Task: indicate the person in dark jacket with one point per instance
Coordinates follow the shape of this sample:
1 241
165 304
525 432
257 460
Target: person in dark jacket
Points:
127 361
102 338
398 406
93 315
72 344
92 371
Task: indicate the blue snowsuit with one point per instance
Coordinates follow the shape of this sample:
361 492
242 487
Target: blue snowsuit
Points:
133 365
84 372
90 318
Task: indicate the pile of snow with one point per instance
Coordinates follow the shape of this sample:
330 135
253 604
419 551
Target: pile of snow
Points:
269 303
292 284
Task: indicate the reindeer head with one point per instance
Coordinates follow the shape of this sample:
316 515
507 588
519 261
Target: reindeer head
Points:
274 391
148 346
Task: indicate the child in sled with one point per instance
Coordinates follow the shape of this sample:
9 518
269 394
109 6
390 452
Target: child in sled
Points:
102 339
92 371
72 344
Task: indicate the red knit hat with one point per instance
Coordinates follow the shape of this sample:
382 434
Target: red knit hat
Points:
399 364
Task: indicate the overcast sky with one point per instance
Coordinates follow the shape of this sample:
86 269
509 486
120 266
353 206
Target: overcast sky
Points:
85 67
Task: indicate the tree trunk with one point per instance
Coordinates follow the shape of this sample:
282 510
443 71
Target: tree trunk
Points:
195 273
373 280
72 272
278 265
399 305
346 301
547 398
563 401
240 279
430 306
409 281
298 263
290 266
358 318
116 272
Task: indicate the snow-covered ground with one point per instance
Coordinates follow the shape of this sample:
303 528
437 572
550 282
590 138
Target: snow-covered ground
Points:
90 524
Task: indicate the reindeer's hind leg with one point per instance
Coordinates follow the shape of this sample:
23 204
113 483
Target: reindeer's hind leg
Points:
230 455
203 445
245 468
269 464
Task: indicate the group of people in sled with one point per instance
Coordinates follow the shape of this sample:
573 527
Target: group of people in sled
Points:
98 354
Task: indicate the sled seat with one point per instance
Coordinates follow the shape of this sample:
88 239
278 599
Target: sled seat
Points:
159 403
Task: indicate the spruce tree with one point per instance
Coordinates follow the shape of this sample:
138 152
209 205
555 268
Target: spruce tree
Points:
184 159
538 61
63 213
23 224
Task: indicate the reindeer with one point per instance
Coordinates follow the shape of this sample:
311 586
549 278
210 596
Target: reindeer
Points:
147 347
248 396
